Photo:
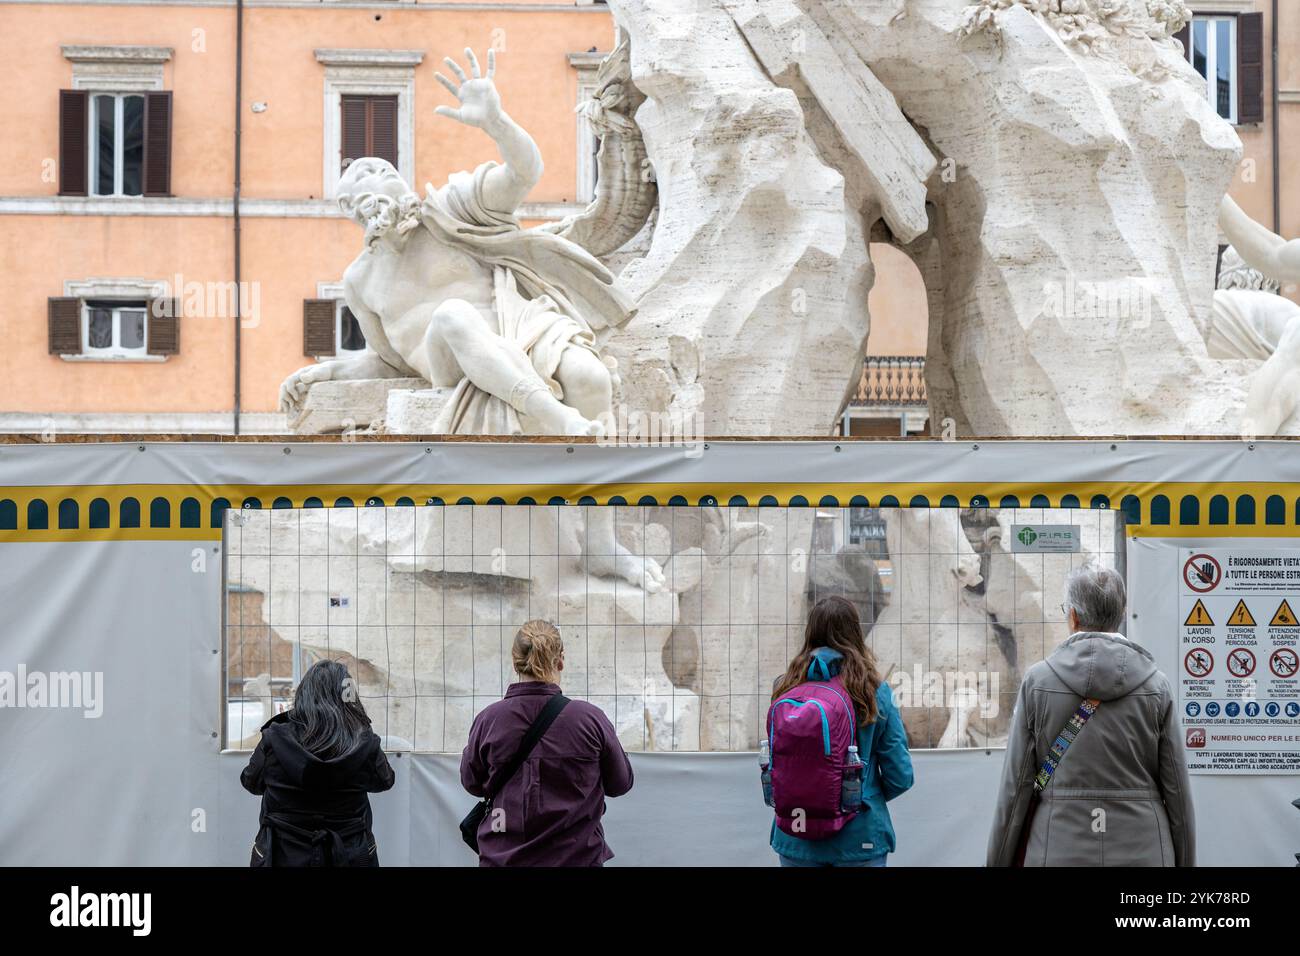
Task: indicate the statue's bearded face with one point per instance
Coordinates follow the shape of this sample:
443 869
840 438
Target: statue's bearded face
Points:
374 195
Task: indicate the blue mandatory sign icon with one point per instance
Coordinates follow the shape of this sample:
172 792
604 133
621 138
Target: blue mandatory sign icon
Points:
1293 709
1272 709
1212 709
1232 709
1252 708
1193 709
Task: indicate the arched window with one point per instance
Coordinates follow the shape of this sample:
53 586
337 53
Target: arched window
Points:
191 513
1219 509
1160 510
160 513
1275 510
1245 509
38 515
1131 505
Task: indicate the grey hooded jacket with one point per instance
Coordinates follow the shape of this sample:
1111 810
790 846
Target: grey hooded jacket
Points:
1127 762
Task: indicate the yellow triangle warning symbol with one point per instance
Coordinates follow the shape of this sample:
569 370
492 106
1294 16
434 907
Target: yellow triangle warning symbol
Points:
1199 617
1241 616
1285 617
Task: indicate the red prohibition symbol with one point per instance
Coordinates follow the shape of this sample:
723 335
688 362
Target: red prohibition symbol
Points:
1283 662
1241 662
1199 662
1202 573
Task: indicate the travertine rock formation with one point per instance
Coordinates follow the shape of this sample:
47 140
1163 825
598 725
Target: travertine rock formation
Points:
754 288
1061 151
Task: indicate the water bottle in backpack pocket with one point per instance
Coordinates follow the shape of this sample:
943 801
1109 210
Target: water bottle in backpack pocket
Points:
851 782
765 772
815 769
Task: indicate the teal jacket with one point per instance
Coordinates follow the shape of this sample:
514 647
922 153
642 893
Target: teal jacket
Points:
887 773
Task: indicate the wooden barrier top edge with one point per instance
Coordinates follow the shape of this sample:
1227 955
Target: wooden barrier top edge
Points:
33 438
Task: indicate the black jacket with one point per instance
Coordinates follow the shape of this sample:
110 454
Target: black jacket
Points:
314 812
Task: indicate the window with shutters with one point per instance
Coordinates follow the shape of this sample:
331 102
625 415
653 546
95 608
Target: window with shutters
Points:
369 128
1212 48
115 123
1228 52
116 144
348 337
369 109
114 320
328 326
114 329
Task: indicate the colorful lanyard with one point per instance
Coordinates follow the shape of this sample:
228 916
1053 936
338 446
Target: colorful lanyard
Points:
1063 741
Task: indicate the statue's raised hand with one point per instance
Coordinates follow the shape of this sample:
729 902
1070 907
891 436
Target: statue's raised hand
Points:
480 104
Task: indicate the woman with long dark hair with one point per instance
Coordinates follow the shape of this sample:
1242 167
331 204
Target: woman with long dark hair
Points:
313 768
834 761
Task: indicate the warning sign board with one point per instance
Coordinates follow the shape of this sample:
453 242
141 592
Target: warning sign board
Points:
1284 616
1199 617
1237 613
1240 616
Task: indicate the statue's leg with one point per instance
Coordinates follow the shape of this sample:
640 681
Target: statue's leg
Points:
586 381
499 367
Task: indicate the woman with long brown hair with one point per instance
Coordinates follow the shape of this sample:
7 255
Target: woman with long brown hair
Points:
838 751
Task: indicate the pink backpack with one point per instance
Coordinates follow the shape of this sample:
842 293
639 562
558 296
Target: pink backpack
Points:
810 729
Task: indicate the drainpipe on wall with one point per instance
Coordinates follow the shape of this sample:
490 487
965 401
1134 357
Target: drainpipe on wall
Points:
1277 127
239 127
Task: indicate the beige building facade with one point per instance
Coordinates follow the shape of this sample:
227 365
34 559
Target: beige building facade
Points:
124 179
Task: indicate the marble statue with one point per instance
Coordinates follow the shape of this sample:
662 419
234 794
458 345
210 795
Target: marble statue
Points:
1252 321
1021 152
1052 168
451 290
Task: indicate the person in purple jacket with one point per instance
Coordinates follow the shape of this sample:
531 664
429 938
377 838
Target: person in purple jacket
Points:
547 814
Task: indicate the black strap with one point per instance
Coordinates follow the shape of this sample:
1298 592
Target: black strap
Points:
535 731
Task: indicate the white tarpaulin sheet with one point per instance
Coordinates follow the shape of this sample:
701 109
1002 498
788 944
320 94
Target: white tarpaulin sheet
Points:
144 781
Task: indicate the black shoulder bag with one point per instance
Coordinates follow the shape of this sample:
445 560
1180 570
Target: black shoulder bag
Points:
469 826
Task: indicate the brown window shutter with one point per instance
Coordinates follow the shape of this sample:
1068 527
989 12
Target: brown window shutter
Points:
354 141
163 327
1250 68
383 128
158 143
317 327
73 121
65 325
1184 36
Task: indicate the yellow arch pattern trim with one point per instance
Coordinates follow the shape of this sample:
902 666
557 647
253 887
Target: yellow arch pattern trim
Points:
1216 503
